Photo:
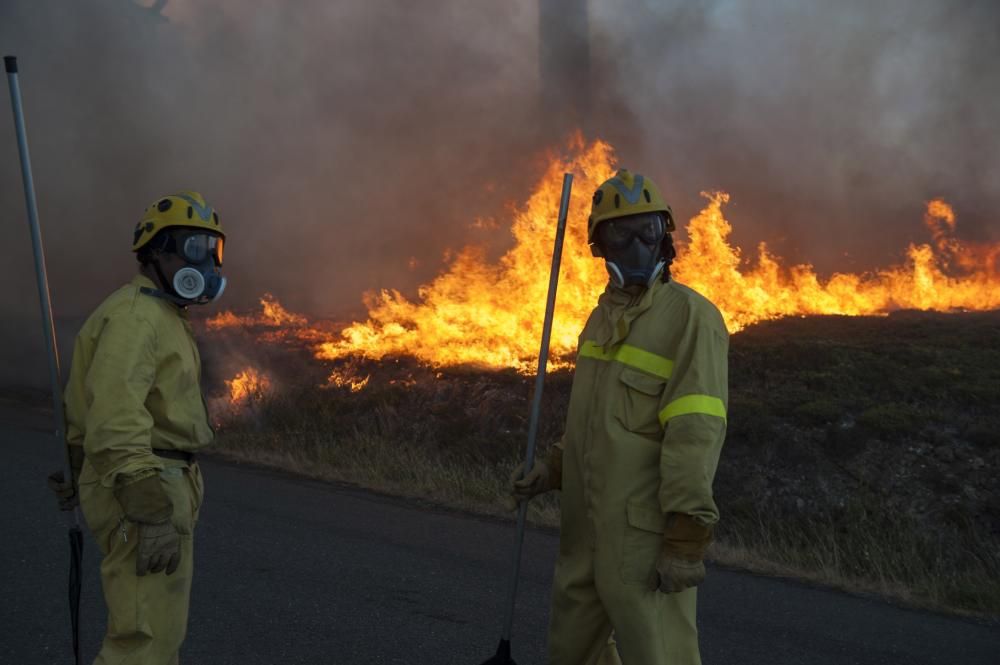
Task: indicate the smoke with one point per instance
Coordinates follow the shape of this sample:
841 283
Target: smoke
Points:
831 124
347 145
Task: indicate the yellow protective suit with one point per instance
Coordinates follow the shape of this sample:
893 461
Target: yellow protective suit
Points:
646 424
134 386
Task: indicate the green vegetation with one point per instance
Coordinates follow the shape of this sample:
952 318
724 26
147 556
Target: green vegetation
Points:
862 452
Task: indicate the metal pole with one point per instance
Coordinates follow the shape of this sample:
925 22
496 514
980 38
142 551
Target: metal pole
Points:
49 331
536 404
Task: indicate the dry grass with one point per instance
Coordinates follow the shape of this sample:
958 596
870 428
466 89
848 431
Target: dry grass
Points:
956 570
374 451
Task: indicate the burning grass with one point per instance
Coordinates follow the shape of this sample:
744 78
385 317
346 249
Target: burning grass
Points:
861 454
490 313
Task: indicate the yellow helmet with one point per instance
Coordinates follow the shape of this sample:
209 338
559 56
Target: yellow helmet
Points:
184 209
626 193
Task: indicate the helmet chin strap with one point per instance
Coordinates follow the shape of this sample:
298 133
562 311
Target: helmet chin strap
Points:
162 292
156 293
164 284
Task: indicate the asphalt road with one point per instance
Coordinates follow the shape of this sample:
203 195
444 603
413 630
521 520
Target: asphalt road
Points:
294 571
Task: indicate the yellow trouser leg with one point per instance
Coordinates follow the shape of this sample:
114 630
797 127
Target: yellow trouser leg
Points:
579 628
651 628
147 616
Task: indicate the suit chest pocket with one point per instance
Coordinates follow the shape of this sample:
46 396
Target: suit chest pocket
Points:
639 401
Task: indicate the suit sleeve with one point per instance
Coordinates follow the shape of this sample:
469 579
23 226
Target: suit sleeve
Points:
118 425
693 413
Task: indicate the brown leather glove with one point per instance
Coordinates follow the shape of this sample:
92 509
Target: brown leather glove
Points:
145 503
159 549
544 476
66 490
681 563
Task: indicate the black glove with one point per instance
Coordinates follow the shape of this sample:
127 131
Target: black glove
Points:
65 490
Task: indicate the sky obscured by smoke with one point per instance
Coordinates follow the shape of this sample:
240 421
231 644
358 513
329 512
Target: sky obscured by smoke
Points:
347 145
830 123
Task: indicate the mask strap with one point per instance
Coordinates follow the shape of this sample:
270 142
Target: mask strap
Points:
617 278
657 271
156 293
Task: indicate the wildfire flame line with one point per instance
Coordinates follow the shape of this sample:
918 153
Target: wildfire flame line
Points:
490 315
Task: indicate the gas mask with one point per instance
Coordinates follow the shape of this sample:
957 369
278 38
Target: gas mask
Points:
632 248
200 281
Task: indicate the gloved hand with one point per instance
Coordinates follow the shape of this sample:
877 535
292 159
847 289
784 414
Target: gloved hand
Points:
543 477
681 563
65 490
159 549
144 502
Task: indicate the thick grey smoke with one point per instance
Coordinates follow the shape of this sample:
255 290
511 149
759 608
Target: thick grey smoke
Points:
830 123
345 143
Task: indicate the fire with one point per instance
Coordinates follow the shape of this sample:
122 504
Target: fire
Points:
483 314
346 379
767 290
490 314
271 314
247 386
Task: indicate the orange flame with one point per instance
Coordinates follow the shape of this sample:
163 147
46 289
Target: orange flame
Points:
712 267
247 386
271 314
490 315
346 379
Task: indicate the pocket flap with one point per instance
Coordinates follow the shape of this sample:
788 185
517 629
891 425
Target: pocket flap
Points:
643 516
644 383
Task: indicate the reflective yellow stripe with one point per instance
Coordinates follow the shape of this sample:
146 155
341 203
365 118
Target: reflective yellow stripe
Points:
682 406
632 356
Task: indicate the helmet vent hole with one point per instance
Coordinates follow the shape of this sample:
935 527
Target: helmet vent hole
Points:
618 201
190 212
215 217
164 205
645 193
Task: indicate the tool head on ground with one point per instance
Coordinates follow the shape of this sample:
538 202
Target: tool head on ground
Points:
502 656
181 235
629 226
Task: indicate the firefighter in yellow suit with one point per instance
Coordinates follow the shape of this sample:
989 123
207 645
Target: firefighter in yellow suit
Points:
135 420
645 428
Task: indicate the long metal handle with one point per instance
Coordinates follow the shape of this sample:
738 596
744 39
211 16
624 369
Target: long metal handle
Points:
536 404
48 324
